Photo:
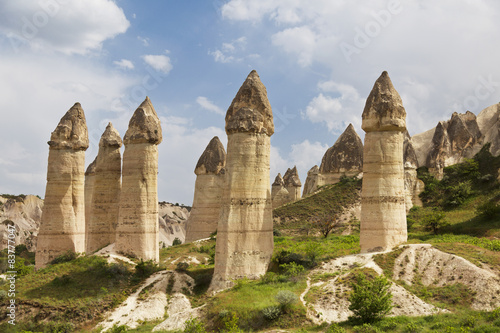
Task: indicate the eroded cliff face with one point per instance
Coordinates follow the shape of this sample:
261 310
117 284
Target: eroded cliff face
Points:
383 213
137 230
413 185
62 227
209 188
245 230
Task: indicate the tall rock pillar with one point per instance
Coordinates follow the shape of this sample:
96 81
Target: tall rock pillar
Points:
101 226
137 229
62 227
292 183
208 192
383 213
89 191
245 230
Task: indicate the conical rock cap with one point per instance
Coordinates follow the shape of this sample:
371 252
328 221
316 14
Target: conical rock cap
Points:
110 137
144 126
213 159
71 132
384 109
250 111
345 155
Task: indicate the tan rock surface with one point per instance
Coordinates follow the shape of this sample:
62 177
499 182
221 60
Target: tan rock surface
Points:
137 229
292 183
383 213
172 222
101 227
413 185
62 227
488 121
209 188
245 231
311 183
88 192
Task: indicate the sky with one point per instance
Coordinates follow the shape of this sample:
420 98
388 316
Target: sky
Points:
318 60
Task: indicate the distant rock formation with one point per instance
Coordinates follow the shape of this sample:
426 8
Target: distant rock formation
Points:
413 185
344 158
383 213
461 137
172 223
25 214
101 227
208 191
88 191
245 231
137 229
292 183
279 193
62 227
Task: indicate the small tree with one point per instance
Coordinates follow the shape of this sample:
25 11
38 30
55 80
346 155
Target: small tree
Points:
434 221
325 222
370 300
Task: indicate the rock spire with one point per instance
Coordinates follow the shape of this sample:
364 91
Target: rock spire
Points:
209 188
292 183
245 229
383 214
62 227
101 226
137 229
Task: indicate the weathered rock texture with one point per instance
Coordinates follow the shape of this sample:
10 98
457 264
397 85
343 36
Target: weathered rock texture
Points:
245 230
208 192
279 193
413 185
383 213
101 227
172 221
292 183
25 213
137 229
88 192
461 137
344 158
62 227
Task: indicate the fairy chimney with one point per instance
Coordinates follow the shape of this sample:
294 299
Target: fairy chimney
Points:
292 184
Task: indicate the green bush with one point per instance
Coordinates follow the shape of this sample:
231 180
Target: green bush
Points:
412 328
292 269
117 329
286 298
335 328
67 256
194 325
271 312
145 268
176 241
488 210
434 221
182 266
370 300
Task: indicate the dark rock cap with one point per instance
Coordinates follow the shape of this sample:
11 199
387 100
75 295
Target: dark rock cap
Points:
278 181
71 132
91 168
384 109
291 178
213 159
110 137
144 126
345 155
250 111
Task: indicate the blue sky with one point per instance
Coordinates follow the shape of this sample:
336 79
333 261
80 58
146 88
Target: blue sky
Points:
318 60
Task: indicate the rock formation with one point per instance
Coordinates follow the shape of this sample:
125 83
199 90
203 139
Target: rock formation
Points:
279 193
88 192
413 185
137 229
62 227
101 227
245 230
172 222
488 121
208 192
312 180
25 212
292 183
383 213
344 158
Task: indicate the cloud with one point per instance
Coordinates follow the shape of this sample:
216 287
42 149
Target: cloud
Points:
160 63
70 27
226 55
124 63
206 104
144 40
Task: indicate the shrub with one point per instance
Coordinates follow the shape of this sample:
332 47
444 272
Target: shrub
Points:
194 325
67 256
370 300
182 266
117 329
488 210
292 269
271 312
434 221
176 241
21 268
335 328
412 328
231 323
145 268
286 298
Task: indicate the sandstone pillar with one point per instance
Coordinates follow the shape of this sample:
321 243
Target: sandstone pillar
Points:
101 227
89 191
383 213
292 184
208 192
62 227
279 193
245 230
137 229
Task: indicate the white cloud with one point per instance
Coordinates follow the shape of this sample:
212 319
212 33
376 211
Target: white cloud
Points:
144 40
226 55
160 63
124 63
299 40
306 154
219 56
70 27
209 105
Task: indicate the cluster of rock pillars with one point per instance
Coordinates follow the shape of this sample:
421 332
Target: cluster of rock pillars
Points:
116 200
